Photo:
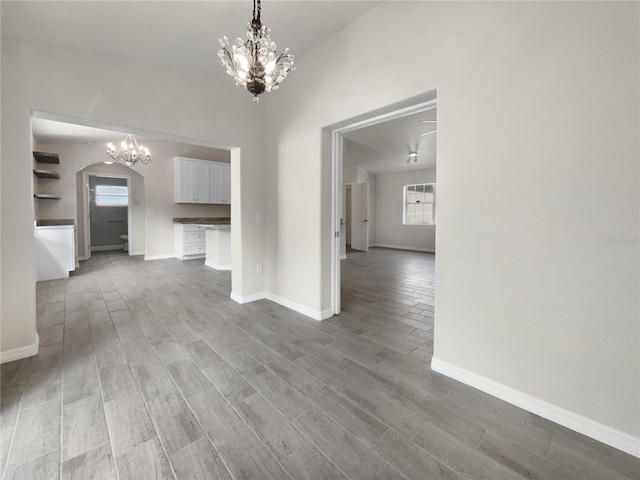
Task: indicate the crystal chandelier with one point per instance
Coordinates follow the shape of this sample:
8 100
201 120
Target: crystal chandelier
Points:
254 63
129 152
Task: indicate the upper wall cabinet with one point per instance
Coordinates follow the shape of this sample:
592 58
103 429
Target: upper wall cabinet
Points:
220 180
202 181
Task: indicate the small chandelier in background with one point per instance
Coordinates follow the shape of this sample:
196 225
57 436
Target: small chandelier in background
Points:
254 63
412 156
129 152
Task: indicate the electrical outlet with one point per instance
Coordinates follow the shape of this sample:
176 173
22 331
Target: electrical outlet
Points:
259 216
258 268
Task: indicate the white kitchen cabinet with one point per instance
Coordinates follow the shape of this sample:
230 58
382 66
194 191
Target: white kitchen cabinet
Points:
55 252
220 178
202 181
190 241
192 181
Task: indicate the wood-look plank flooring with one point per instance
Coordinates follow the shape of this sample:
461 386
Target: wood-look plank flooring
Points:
148 370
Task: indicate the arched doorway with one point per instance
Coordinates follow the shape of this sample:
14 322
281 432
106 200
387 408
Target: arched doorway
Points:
106 223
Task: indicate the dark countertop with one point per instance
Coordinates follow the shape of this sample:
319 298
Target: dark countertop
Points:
204 221
55 222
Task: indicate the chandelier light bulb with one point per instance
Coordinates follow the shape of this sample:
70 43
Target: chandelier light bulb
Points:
254 63
129 152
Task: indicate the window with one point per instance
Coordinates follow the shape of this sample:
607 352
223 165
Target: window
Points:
112 196
420 204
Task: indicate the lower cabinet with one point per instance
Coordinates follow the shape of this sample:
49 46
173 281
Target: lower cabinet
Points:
190 241
55 252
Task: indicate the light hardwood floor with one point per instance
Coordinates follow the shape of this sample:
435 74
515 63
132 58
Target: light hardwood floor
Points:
148 370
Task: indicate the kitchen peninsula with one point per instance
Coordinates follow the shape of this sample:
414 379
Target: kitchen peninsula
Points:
204 237
55 248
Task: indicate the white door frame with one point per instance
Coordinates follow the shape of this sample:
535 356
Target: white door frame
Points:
336 186
87 219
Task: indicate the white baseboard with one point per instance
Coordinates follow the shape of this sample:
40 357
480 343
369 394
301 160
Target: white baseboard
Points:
217 267
104 248
160 257
403 247
247 298
21 352
590 428
131 254
309 312
343 257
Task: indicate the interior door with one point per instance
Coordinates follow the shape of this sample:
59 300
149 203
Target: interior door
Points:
360 216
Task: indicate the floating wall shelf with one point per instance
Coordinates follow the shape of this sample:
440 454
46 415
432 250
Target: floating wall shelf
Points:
46 196
42 157
46 174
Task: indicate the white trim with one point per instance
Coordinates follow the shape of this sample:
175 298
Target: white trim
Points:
306 311
131 254
309 312
404 247
217 267
86 221
104 248
586 426
82 259
248 298
344 257
21 352
336 216
160 257
195 256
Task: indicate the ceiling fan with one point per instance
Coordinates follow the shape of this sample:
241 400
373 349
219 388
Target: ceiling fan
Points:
413 155
430 131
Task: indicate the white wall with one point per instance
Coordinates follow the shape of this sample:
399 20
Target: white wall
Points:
159 192
390 231
537 166
195 105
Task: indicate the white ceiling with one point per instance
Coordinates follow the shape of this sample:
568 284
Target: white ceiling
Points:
184 34
180 33
392 141
51 132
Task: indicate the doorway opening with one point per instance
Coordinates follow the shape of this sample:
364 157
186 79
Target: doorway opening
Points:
108 219
151 222
341 194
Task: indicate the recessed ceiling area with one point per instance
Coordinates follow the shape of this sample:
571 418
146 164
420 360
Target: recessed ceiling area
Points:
389 143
